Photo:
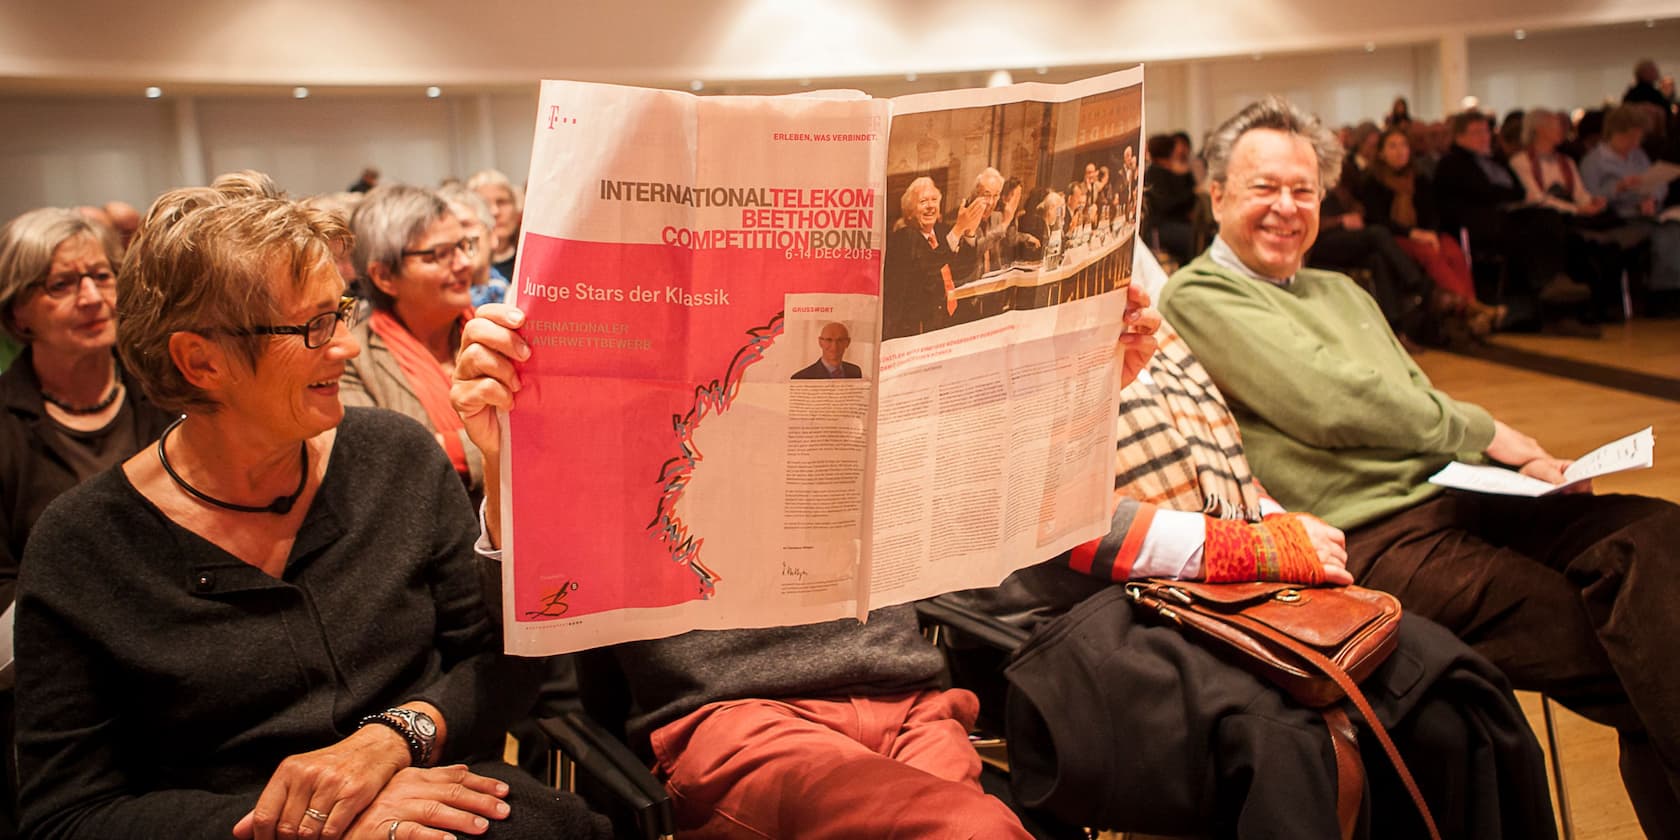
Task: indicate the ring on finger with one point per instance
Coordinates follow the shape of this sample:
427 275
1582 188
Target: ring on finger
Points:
392 834
318 816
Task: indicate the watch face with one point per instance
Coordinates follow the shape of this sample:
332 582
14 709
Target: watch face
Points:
423 724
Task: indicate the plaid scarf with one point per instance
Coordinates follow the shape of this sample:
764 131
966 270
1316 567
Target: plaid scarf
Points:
1179 446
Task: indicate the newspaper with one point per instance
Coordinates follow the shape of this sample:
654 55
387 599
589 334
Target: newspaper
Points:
1634 452
798 358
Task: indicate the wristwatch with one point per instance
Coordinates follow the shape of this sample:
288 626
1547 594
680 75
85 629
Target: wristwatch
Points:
417 728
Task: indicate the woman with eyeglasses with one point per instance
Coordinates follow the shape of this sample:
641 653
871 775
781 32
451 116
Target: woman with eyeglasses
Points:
68 411
272 622
417 270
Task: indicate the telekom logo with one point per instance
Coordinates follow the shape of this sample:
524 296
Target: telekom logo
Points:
554 118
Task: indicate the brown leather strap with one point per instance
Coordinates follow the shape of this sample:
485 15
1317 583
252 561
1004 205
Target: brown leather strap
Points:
1348 686
1350 770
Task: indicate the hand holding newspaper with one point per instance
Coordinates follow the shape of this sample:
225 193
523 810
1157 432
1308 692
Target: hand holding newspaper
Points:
1633 452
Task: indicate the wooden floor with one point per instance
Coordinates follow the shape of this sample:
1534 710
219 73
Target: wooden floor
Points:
1569 418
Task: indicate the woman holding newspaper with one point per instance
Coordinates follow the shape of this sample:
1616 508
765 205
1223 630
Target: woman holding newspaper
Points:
259 639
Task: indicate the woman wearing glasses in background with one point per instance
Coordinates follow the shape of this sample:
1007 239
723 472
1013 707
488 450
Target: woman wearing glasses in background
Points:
417 270
66 411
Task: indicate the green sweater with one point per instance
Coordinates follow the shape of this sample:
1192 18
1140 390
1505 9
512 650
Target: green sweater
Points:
1336 418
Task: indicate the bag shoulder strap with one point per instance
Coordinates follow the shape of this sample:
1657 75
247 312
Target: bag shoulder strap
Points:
1346 683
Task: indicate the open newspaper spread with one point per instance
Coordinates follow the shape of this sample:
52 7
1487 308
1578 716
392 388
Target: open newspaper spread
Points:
797 358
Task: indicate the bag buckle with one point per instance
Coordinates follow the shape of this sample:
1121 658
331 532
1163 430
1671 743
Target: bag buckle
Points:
1288 596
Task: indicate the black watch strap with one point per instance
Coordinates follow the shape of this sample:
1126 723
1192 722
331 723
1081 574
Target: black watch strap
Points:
404 722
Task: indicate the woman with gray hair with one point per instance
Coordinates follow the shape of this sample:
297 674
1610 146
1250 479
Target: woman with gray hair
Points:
488 285
68 411
1549 177
416 262
259 639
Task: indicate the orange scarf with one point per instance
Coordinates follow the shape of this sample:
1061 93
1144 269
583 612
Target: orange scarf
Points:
1403 184
428 381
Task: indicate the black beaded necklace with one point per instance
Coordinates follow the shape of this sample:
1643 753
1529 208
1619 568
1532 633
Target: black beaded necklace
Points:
68 408
281 505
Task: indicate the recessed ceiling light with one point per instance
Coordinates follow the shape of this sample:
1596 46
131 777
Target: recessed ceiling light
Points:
1370 46
910 77
1650 23
154 92
1000 78
434 92
1041 70
697 86
804 82
300 92
1520 34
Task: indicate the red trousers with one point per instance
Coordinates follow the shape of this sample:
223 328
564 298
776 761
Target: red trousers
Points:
879 767
1446 265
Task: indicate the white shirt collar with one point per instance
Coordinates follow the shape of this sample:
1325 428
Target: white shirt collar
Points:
1222 254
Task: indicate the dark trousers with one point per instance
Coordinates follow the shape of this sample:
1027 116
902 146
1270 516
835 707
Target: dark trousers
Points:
1398 282
1571 595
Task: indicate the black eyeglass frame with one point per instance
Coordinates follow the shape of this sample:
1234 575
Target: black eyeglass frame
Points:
467 245
348 309
108 282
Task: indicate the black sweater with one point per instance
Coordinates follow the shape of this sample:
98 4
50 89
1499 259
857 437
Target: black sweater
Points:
161 680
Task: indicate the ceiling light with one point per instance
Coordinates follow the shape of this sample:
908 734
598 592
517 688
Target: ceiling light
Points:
697 86
910 77
1000 78
1370 46
434 92
300 92
1520 34
1041 70
154 92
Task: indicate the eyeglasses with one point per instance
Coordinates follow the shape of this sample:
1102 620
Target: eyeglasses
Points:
61 286
316 331
468 246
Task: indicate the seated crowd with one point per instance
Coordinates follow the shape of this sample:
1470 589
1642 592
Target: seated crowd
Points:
256 641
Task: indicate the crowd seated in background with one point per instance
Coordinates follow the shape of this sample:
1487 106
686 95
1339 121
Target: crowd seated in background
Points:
220 656
417 265
1480 197
1401 202
1570 594
1401 289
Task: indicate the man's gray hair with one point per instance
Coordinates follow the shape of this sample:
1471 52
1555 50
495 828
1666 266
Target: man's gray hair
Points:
1277 114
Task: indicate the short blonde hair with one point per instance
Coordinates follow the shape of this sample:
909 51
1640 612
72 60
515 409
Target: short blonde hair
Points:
911 197
206 260
27 244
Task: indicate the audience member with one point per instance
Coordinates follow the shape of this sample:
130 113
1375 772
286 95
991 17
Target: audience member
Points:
67 408
1402 203
1169 199
260 639
418 262
365 182
488 284
507 204
1570 594
1510 134
1480 196
1615 170
1399 114
839 729
1645 88
1397 282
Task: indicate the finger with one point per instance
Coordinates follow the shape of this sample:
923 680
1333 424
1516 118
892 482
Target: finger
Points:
477 361
470 398
411 830
265 815
1337 575
496 336
1147 321
505 314
434 814
245 828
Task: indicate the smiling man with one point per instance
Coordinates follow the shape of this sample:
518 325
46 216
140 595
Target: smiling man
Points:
1571 594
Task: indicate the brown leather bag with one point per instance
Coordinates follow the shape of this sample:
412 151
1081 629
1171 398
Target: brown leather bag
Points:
1315 643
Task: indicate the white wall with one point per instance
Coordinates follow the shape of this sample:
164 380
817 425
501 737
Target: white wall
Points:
1577 69
76 149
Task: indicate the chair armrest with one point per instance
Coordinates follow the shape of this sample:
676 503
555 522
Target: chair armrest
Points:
993 632
615 767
